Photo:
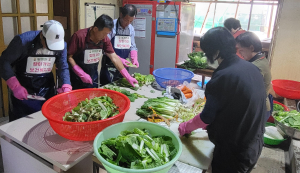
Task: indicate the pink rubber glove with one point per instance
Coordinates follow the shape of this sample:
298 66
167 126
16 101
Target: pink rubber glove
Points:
191 125
124 62
134 58
130 79
64 88
19 91
85 78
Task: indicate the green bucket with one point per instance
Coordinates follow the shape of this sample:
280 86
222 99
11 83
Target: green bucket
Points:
269 141
114 130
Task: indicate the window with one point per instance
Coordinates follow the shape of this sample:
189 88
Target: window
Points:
257 16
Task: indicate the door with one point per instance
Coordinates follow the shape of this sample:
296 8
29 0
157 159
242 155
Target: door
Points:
16 17
61 13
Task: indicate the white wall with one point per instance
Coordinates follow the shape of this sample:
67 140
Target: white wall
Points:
285 57
82 9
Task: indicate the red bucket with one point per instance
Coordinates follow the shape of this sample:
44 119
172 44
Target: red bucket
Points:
287 88
55 108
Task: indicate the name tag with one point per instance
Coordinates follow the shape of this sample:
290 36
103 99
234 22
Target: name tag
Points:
39 65
122 42
92 56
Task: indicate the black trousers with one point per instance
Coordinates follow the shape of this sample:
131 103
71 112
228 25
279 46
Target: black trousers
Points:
232 159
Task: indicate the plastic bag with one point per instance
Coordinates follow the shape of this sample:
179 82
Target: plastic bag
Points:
196 94
175 93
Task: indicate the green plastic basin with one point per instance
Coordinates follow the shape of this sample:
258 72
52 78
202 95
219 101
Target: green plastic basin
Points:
154 129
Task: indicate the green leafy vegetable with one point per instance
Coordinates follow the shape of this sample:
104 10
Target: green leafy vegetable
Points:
132 96
124 83
277 107
137 149
130 65
197 61
98 108
291 119
142 80
165 107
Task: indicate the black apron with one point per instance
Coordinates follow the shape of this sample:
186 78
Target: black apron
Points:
90 69
109 73
36 84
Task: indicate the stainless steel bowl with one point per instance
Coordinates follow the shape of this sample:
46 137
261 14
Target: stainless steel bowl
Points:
292 132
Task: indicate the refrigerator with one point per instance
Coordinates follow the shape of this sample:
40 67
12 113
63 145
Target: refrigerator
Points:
163 33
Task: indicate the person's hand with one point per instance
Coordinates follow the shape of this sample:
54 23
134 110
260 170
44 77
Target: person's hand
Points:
18 90
134 58
130 79
64 88
191 125
85 78
124 62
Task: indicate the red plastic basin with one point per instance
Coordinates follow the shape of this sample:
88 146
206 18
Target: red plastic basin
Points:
55 108
287 88
285 107
271 119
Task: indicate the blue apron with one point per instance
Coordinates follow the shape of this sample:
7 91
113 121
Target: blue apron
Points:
90 69
36 84
109 73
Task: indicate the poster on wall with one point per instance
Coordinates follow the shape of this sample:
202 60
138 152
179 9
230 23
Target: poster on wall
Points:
139 25
94 10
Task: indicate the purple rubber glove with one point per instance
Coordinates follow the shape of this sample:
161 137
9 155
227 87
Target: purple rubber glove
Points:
19 91
85 78
130 79
134 58
191 125
64 88
124 62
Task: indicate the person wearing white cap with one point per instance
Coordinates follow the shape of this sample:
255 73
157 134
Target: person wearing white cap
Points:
26 66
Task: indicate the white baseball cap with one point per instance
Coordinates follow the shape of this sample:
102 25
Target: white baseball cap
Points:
54 33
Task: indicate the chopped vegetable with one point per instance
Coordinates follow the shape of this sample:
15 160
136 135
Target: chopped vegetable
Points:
152 91
188 95
291 119
277 107
130 63
197 61
98 108
137 149
132 96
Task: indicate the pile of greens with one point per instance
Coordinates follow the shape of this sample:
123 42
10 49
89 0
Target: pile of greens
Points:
142 80
132 96
137 149
291 119
277 107
197 61
165 107
98 108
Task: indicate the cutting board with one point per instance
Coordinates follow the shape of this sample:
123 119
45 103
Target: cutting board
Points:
197 150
